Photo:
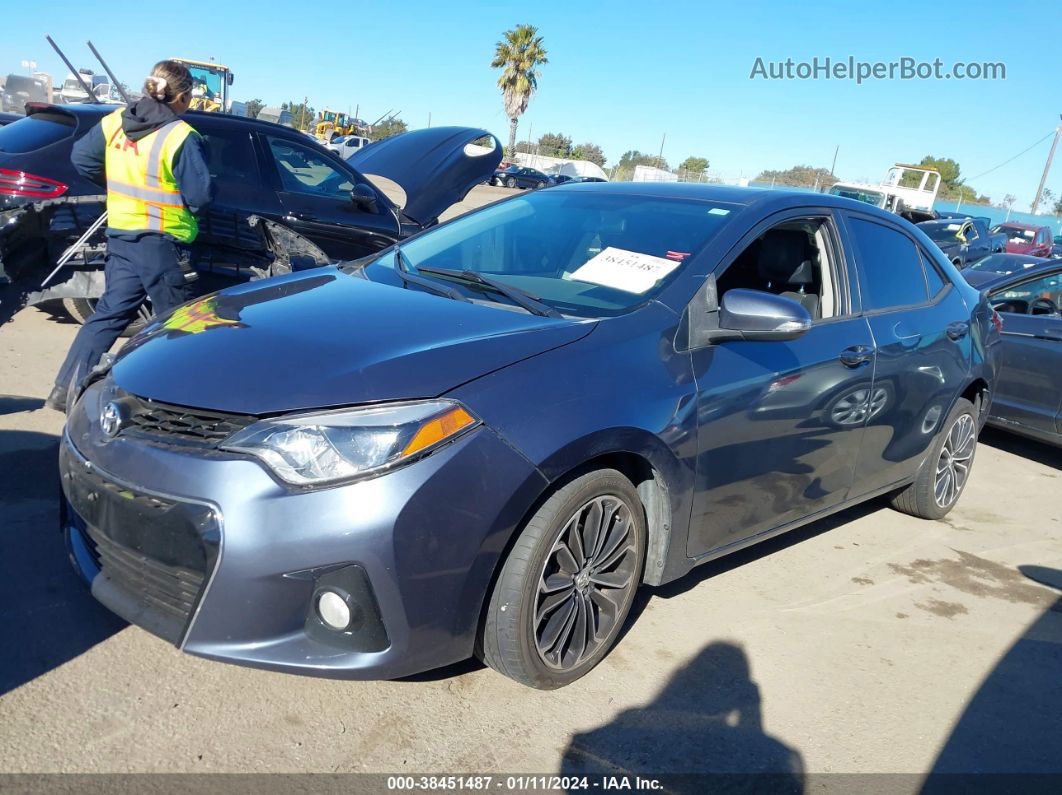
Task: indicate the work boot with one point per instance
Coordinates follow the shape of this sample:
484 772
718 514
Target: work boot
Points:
57 399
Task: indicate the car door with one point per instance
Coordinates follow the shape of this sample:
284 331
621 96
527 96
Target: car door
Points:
780 423
920 325
315 193
977 244
239 188
1028 390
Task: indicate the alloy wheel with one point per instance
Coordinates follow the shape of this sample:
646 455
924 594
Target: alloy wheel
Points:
953 465
586 582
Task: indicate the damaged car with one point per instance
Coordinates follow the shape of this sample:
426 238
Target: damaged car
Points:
484 439
273 184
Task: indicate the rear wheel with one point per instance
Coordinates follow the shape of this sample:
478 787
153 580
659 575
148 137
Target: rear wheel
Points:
540 185
568 584
943 476
81 309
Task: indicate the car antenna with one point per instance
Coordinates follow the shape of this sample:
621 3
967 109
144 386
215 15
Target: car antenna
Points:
110 74
73 71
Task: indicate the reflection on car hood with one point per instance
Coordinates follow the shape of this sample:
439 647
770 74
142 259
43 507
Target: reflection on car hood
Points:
431 165
324 338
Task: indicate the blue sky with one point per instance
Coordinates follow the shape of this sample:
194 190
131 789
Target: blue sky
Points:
622 74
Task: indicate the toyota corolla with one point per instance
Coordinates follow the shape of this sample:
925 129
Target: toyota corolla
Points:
484 440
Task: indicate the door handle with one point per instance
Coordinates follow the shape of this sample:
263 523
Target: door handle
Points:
856 355
299 217
958 329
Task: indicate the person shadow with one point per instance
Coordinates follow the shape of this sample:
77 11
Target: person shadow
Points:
1013 723
703 732
47 614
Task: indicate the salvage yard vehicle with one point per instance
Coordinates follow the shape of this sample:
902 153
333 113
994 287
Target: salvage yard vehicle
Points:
1033 241
210 85
1027 293
962 240
260 169
514 176
19 90
484 439
903 188
347 146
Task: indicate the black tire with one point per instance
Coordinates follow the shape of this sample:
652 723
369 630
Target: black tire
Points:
512 644
540 185
921 497
81 309
510 183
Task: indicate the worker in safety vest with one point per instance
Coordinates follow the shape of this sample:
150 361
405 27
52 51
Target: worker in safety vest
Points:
155 169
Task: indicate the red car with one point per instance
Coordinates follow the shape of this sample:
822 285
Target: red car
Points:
1033 241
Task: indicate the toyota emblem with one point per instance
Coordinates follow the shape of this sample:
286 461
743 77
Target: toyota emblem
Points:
111 419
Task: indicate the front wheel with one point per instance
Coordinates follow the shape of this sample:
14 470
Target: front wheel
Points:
81 309
510 183
568 583
944 474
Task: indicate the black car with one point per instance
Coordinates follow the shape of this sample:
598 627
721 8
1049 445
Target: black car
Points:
515 176
1027 294
963 240
261 170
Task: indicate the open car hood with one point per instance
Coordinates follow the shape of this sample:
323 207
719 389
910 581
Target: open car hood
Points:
436 167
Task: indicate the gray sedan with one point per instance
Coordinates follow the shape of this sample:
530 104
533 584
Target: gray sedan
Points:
1027 294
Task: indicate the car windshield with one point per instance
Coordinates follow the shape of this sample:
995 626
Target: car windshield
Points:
1005 263
1015 233
866 196
36 131
941 233
582 253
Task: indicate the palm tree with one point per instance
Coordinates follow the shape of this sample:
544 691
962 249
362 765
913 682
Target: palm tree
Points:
518 54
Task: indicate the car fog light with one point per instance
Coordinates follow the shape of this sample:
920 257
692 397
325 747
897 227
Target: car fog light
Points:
333 610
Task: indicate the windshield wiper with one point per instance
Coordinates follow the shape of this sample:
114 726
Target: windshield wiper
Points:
402 270
514 294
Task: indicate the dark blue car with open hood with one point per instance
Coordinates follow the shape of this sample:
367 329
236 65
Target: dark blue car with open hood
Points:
484 440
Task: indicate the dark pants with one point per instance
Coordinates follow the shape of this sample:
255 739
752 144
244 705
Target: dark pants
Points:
146 265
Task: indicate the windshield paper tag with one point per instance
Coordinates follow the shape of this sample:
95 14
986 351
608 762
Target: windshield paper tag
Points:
625 270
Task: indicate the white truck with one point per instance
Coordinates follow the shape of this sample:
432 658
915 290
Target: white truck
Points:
904 188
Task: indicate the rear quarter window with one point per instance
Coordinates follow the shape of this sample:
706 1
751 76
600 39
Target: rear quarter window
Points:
890 267
36 132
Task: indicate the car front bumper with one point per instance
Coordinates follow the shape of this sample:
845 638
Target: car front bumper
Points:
209 551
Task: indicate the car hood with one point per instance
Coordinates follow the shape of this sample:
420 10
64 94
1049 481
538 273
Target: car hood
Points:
323 338
436 167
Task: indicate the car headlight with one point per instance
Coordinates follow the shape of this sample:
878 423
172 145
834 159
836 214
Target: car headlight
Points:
329 446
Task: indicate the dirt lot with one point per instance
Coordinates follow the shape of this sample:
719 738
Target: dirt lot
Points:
871 641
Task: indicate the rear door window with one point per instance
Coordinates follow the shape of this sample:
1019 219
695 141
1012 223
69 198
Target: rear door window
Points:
891 270
36 132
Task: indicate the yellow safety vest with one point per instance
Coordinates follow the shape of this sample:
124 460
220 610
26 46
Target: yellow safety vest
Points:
142 193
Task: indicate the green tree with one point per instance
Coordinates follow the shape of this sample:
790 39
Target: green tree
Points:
518 55
798 176
631 158
254 107
1058 207
694 165
302 114
555 145
589 151
387 128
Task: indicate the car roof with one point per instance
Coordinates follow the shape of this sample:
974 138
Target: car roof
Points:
765 199
97 111
986 279
1019 225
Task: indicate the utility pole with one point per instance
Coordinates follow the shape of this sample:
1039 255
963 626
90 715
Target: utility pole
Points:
662 146
1047 167
429 119
833 167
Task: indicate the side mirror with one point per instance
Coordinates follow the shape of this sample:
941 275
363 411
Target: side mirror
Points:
755 315
364 198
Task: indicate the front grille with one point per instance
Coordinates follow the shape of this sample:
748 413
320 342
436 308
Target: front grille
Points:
154 553
177 424
172 590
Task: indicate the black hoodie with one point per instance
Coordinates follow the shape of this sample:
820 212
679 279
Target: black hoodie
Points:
139 120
